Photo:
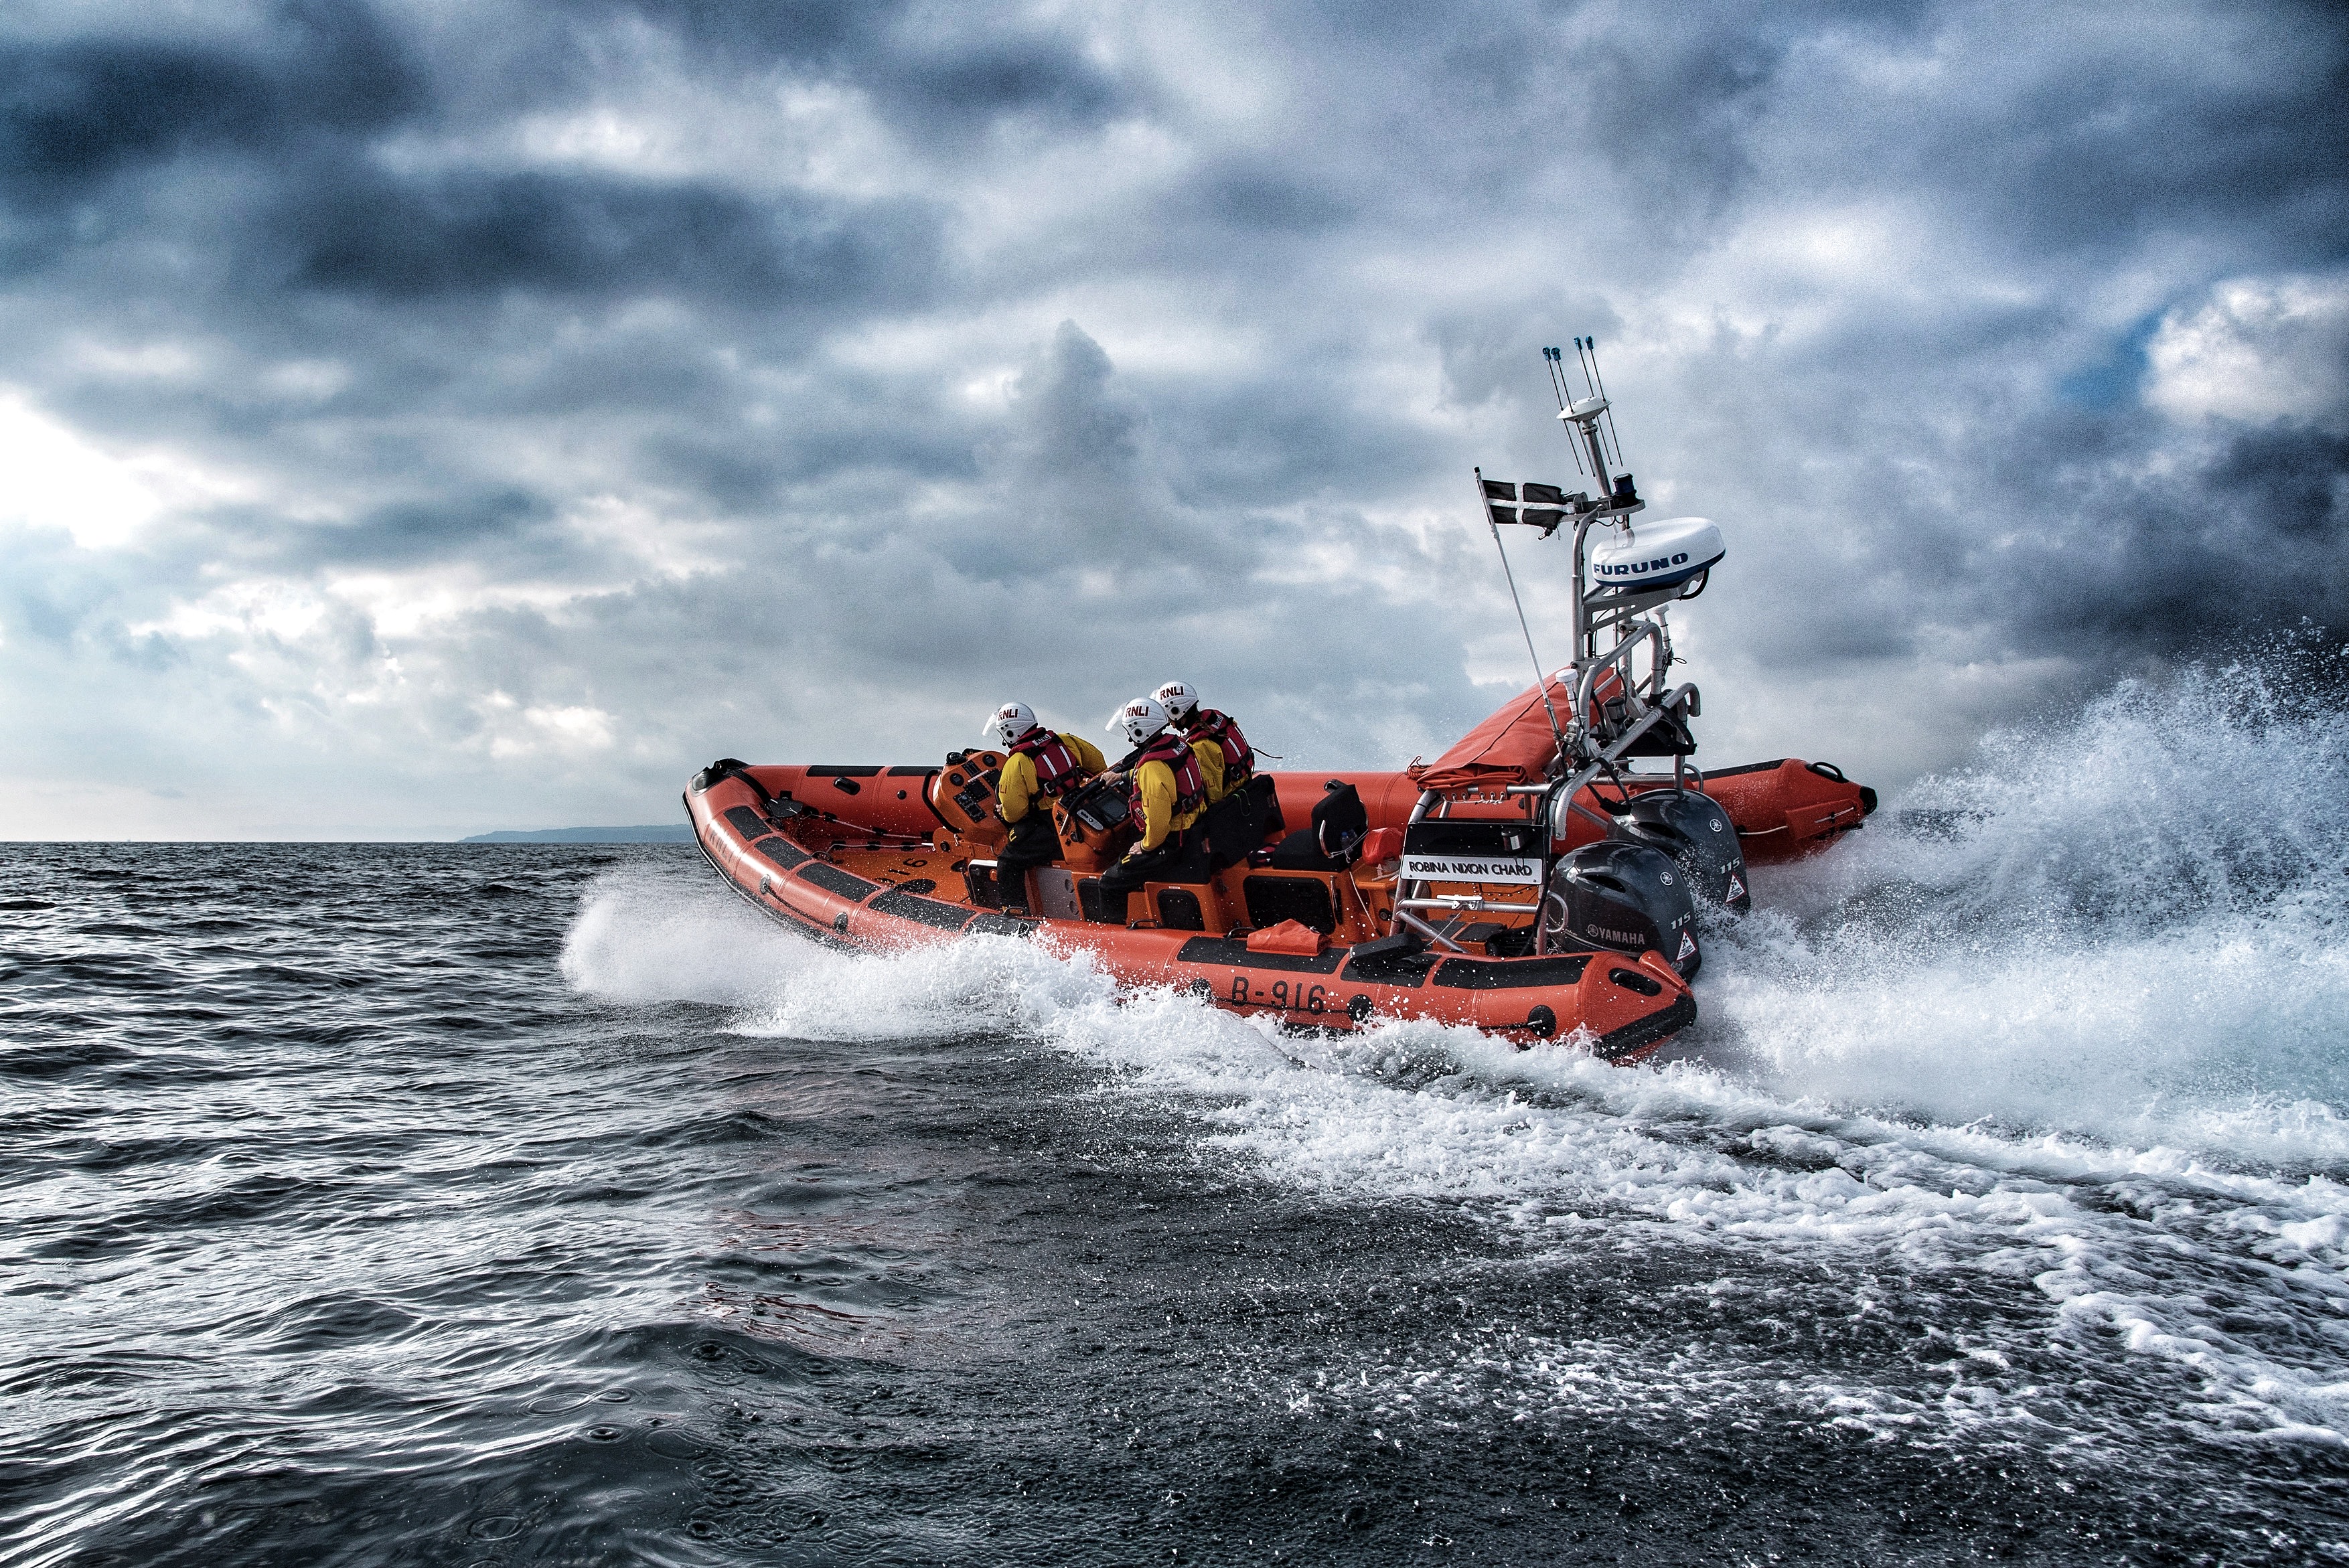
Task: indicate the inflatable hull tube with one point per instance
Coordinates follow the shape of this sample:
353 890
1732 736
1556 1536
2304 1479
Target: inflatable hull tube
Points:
887 865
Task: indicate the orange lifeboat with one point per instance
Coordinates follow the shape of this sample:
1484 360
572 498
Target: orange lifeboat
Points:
891 858
1531 881
887 858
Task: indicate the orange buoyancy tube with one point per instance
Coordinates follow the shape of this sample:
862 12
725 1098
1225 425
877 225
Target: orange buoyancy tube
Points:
1627 1004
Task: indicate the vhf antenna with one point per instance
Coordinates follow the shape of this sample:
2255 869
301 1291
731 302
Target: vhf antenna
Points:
1553 361
1589 346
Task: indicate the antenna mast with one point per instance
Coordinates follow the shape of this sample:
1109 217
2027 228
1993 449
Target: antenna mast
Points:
1484 499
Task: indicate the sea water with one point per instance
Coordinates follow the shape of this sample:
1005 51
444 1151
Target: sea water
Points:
507 1205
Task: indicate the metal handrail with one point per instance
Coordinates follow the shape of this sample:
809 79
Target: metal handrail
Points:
1569 786
1620 653
1573 784
1404 917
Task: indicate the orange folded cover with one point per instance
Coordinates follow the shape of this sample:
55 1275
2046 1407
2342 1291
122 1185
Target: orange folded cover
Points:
1515 745
1288 936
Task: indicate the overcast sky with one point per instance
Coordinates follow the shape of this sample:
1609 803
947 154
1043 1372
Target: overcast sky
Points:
423 418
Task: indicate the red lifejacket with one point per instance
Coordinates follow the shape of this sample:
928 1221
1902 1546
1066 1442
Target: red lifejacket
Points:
1206 724
1056 766
1190 784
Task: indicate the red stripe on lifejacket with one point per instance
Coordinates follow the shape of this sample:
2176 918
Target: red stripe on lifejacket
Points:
1190 784
1056 765
1209 725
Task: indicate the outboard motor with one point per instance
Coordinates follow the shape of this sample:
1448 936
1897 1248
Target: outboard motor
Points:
1697 833
1624 896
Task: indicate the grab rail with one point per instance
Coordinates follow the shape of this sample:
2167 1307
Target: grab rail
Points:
1619 655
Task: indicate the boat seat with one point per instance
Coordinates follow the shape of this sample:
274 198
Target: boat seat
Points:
1237 825
1212 906
1329 843
1179 909
1306 900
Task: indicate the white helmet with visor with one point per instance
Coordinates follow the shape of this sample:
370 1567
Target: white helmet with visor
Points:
1140 719
1008 723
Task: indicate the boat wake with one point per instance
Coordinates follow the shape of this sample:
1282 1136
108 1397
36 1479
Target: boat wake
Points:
2061 1035
2130 927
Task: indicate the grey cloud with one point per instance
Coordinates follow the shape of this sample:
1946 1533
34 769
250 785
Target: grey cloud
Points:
2101 158
937 73
1291 434
2252 539
507 528
2082 134
875 458
1261 196
992 75
77 113
1080 487
804 30
356 229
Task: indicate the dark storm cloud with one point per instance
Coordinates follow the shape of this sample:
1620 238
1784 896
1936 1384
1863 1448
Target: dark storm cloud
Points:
1289 435
1261 196
296 107
1083 488
939 72
75 114
355 228
506 529
987 76
2099 156
81 116
2252 540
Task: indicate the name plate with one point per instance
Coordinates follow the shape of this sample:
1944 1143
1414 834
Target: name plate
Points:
1472 868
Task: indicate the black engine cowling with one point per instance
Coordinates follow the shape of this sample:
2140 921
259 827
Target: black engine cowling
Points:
1696 833
1624 896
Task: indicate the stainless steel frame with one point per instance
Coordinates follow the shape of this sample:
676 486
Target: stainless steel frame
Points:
1587 749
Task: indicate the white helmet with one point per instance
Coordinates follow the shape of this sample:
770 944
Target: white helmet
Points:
1179 700
1008 723
1141 718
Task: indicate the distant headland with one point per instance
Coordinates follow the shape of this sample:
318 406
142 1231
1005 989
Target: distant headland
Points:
657 833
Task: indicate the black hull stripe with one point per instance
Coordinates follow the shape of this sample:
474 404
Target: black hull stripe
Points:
928 912
790 920
1233 953
1511 973
781 850
832 879
1654 1026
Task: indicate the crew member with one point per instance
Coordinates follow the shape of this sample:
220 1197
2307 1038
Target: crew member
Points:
1041 764
1166 793
1237 817
1224 753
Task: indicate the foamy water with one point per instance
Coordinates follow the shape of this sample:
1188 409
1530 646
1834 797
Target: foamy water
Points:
2081 1028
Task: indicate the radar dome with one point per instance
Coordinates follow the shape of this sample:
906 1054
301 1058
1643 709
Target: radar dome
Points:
1660 554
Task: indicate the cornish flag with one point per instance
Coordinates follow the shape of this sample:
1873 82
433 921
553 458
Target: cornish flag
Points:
1543 506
